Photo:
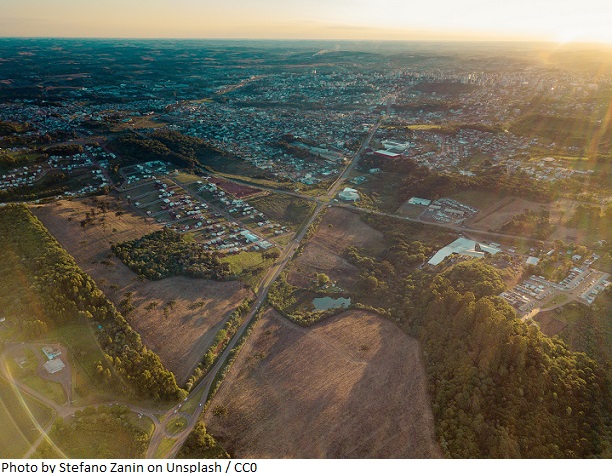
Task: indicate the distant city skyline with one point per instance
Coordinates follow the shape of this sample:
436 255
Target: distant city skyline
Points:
559 21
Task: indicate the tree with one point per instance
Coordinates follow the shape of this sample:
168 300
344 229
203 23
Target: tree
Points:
322 279
371 283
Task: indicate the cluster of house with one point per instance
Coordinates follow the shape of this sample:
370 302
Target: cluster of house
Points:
253 135
216 223
29 175
547 169
593 289
340 87
442 151
574 278
530 292
70 163
23 176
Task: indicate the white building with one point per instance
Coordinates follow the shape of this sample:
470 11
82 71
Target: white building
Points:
419 201
348 194
462 246
54 365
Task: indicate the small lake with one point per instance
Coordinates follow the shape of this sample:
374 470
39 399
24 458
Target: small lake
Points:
324 303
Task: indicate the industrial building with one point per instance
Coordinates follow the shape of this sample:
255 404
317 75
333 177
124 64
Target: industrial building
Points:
463 246
54 365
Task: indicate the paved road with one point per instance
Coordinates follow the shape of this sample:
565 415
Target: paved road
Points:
203 388
449 226
272 274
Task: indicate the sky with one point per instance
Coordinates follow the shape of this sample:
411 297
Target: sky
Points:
558 21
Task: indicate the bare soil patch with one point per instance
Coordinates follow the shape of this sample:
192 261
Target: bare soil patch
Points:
338 230
352 386
179 335
235 189
548 324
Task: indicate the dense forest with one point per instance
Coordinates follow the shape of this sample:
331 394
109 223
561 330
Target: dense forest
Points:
165 145
64 294
64 150
167 253
499 387
423 182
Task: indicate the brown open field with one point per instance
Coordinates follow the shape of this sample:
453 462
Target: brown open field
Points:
179 337
338 230
548 324
411 210
352 386
494 216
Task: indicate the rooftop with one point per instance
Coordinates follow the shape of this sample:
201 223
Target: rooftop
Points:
462 246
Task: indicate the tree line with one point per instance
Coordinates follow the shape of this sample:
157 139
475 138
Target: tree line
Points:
66 295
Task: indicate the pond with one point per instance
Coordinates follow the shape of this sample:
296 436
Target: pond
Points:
324 303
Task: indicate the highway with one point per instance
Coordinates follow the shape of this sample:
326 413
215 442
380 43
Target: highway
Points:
202 389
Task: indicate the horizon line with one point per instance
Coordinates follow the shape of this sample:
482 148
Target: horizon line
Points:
368 40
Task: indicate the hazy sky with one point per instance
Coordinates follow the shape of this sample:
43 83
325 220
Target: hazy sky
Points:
550 20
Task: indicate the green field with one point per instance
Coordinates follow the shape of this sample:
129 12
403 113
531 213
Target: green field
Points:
102 433
164 447
558 299
383 190
286 209
189 406
85 354
22 419
234 167
248 266
49 389
579 131
589 328
176 425
411 211
185 178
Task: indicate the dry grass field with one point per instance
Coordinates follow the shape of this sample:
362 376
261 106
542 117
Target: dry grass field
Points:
338 230
496 215
352 386
410 210
179 335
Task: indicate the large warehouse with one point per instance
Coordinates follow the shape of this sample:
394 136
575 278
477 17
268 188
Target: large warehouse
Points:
462 246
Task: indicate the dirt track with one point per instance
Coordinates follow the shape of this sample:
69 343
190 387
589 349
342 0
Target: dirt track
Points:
350 387
179 337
